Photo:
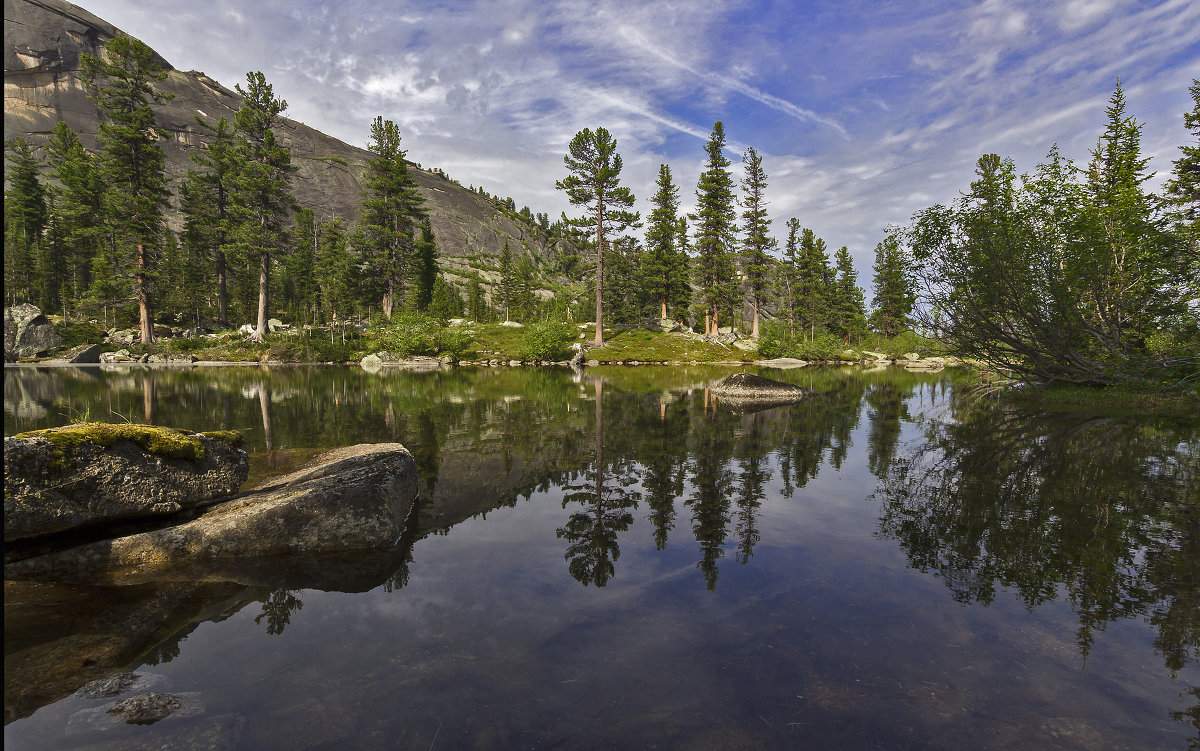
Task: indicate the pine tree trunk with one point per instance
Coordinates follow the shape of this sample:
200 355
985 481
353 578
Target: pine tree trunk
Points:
599 340
143 297
664 308
222 293
754 326
264 287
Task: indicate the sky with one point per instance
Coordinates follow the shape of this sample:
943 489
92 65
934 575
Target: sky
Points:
864 111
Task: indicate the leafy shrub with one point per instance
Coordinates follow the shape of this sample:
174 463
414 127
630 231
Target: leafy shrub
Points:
417 334
547 341
74 333
774 341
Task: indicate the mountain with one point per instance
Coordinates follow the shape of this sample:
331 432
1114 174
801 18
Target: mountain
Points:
43 41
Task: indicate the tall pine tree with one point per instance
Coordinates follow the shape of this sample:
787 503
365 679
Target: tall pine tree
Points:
894 289
664 266
122 84
756 243
595 183
25 218
77 212
716 216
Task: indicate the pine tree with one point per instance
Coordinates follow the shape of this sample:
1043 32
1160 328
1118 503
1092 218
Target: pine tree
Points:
426 266
894 290
680 294
333 269
505 289
813 282
392 209
789 279
262 187
76 213
297 282
445 301
522 300
25 217
594 182
1183 191
848 312
208 207
121 83
661 269
715 220
476 302
756 242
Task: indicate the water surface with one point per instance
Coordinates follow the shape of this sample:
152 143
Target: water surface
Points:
617 560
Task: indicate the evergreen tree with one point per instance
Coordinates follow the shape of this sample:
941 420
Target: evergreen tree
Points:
894 289
77 211
624 289
445 301
505 289
848 311
297 282
1183 191
523 301
715 220
594 182
789 279
334 270
121 83
25 217
427 268
756 242
681 288
813 282
392 209
476 302
665 268
262 186
206 204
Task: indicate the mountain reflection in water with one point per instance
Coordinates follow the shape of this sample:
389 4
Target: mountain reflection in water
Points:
788 548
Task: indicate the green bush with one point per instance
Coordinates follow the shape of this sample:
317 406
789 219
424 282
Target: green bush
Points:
774 341
74 333
547 341
410 334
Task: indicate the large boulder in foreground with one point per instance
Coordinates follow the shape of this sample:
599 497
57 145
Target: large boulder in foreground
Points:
27 332
84 475
747 392
352 498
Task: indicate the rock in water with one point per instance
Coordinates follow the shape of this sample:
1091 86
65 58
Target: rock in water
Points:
81 475
353 498
746 392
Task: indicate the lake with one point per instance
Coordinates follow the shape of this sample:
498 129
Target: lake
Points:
614 559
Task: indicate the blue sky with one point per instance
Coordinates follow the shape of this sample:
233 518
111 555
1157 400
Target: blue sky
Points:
864 112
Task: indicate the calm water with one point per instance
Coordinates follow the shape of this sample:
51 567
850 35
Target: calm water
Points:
617 561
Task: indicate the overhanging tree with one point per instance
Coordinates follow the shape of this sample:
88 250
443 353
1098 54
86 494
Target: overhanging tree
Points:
595 183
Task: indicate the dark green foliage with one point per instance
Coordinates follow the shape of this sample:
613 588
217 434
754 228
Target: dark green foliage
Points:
523 301
121 83
894 288
594 183
847 311
426 267
547 340
664 265
335 272
625 299
25 217
715 222
392 210
76 214
261 191
297 283
206 196
417 334
445 301
505 291
1065 275
813 292
756 243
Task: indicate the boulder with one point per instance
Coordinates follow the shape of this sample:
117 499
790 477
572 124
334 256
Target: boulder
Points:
27 332
782 362
87 474
274 324
84 354
746 345
355 498
747 392
662 324
124 336
121 355
512 324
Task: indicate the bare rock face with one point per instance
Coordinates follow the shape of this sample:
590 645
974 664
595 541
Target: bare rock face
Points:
83 475
28 333
746 392
353 498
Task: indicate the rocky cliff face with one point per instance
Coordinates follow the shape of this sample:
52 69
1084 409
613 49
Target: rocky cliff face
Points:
43 43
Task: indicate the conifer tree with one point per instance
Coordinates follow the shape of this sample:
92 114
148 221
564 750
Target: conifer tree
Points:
392 210
333 268
206 206
894 289
1183 191
426 267
25 216
262 187
594 183
121 83
445 301
789 279
505 288
848 312
715 222
297 282
756 242
813 277
77 211
665 268
476 302
523 301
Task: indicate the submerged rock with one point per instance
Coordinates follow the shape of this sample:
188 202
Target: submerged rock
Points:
61 479
352 498
746 392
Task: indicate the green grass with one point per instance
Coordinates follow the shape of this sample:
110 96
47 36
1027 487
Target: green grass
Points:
172 443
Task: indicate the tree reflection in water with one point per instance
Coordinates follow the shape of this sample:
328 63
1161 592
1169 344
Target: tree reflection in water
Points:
1102 512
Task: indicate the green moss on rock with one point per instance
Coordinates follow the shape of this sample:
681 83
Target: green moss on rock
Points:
171 443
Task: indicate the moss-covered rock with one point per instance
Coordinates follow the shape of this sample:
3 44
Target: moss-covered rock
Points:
60 479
